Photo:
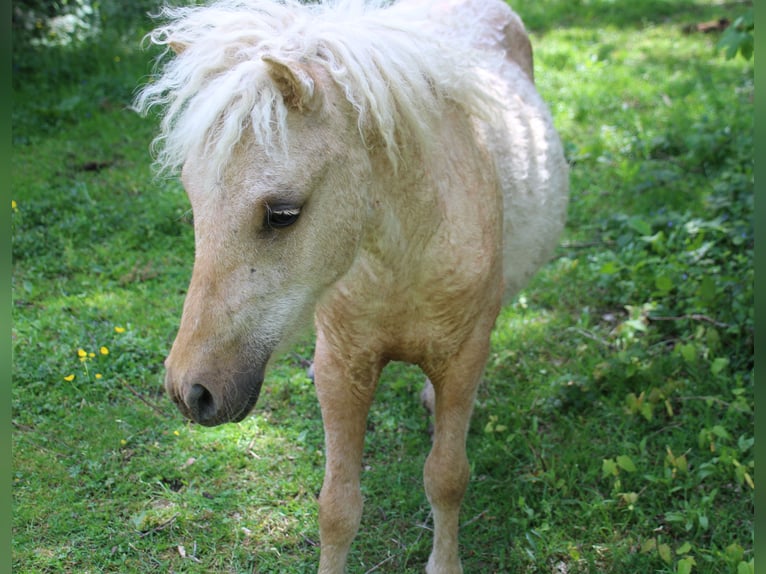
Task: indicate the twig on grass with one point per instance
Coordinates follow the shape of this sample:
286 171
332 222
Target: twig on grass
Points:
155 408
159 527
182 552
692 317
715 400
249 450
423 527
474 519
381 563
591 336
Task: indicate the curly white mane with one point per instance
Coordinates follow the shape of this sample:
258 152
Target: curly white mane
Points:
394 71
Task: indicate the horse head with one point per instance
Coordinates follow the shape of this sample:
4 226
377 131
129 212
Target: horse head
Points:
273 229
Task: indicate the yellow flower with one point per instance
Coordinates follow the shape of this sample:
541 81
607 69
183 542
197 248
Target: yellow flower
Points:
91 355
69 378
99 375
119 329
175 432
81 353
104 351
123 442
13 205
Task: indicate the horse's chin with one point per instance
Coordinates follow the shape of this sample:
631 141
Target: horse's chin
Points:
247 406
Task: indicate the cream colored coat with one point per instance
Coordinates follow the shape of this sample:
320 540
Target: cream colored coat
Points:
392 172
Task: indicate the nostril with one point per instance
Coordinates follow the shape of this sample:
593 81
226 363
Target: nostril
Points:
201 404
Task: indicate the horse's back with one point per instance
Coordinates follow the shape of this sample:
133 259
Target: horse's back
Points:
494 26
529 161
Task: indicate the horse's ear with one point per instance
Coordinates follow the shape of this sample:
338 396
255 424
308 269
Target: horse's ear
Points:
294 81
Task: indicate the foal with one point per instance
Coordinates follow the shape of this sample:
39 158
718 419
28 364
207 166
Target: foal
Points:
390 171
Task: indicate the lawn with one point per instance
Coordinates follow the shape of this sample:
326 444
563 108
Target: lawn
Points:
613 431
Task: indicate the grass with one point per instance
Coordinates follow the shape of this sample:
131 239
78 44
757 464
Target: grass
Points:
613 431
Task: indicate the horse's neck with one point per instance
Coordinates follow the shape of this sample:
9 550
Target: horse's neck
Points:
404 210
432 234
433 198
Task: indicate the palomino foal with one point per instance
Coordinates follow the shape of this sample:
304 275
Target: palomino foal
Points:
390 170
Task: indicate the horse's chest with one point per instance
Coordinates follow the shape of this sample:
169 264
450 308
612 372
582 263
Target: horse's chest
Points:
407 322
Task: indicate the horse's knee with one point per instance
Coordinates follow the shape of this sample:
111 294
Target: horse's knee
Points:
340 512
446 478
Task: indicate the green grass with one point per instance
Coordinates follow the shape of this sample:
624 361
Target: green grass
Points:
613 431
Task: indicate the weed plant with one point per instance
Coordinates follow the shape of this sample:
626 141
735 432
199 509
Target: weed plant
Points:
613 431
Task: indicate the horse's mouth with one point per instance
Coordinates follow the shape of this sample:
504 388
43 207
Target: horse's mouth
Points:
248 405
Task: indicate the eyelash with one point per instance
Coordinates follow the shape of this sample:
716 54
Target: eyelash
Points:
281 217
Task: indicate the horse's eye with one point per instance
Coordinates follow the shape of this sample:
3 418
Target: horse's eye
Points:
279 217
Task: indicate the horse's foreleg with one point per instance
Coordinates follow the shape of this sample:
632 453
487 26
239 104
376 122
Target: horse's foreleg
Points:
345 394
446 470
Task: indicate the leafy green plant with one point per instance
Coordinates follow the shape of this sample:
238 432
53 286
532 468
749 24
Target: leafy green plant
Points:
739 37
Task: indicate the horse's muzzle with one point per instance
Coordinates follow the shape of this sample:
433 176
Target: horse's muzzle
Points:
214 403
